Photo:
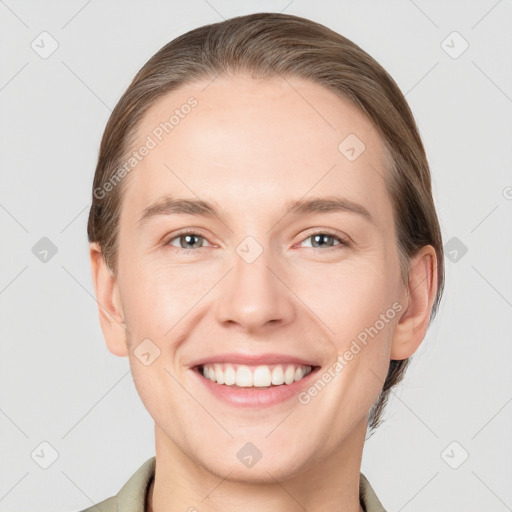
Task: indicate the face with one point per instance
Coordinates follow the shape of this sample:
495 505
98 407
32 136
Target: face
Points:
287 269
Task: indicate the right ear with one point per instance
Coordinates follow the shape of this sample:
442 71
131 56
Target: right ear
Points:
109 304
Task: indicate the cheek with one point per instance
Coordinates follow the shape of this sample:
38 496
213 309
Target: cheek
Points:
158 296
355 297
363 312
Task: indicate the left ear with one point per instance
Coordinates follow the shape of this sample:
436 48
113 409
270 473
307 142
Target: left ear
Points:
419 296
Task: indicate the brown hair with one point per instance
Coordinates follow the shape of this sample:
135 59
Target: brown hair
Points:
266 45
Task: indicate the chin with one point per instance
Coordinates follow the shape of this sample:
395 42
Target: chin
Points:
263 461
262 472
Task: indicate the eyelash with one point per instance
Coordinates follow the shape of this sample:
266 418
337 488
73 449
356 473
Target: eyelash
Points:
343 242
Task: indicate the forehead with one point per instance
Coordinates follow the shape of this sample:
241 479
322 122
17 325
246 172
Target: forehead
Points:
240 139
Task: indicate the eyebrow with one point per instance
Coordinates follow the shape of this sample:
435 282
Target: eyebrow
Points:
174 206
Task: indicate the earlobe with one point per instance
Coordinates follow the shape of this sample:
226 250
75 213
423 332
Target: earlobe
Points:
109 304
420 293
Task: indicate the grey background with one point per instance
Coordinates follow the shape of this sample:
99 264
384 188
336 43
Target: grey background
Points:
58 382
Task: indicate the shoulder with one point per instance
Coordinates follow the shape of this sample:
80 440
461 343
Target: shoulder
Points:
132 496
367 496
108 505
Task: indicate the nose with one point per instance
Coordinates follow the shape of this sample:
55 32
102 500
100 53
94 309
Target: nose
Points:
255 296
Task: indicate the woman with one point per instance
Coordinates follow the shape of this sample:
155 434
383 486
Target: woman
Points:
266 251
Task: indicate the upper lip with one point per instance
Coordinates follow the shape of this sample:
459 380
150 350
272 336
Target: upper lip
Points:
252 359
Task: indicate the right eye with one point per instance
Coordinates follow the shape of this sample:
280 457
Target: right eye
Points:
187 237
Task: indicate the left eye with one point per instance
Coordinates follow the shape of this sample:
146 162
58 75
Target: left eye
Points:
324 240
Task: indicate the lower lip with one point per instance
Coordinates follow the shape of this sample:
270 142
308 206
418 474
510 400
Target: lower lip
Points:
253 396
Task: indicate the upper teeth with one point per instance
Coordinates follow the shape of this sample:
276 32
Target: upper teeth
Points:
254 376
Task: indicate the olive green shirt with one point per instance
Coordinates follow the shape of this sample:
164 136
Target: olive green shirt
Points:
132 496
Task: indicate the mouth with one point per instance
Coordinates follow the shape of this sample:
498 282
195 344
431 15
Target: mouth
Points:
255 386
261 376
253 380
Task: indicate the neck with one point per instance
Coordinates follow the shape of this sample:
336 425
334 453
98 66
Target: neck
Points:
180 483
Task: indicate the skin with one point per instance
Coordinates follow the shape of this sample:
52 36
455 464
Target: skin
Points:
250 146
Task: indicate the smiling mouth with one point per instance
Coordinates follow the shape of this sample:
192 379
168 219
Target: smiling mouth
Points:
260 376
